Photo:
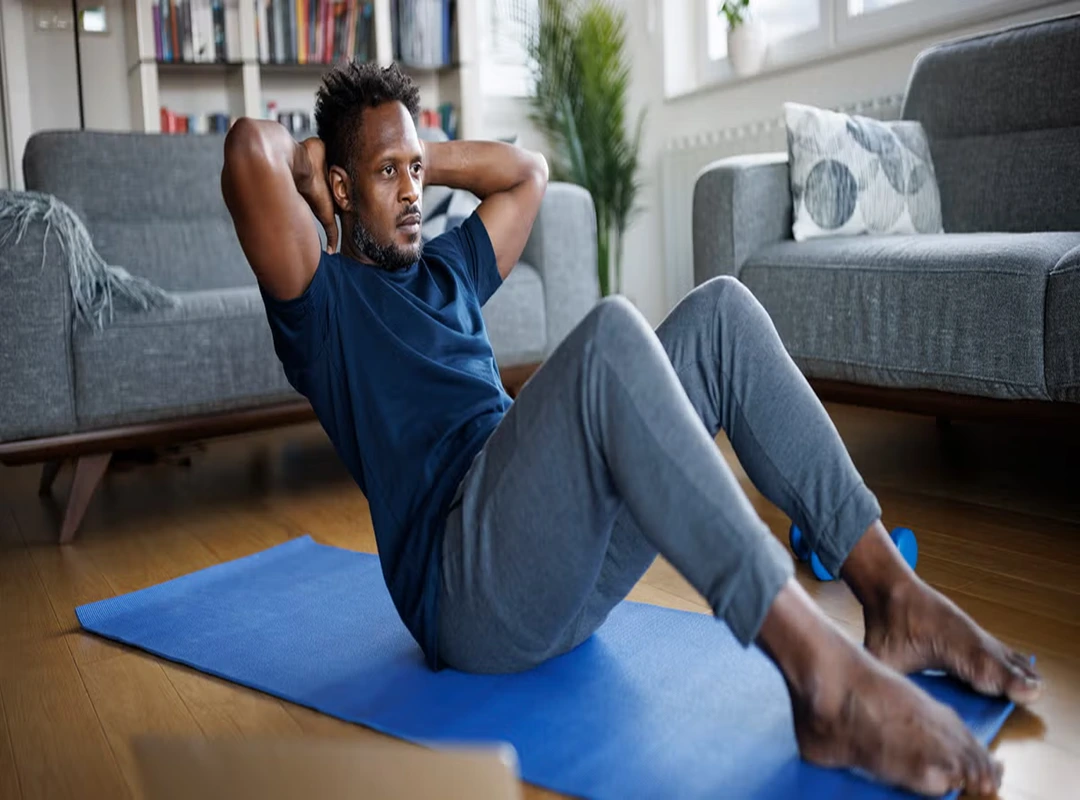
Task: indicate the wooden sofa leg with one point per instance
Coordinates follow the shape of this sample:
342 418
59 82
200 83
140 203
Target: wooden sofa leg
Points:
49 471
88 473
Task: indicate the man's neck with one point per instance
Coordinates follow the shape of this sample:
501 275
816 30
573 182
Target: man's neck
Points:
349 248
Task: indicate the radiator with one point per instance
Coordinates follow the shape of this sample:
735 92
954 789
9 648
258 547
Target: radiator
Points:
683 158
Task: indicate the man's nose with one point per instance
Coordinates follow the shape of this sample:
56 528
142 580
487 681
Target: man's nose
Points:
410 189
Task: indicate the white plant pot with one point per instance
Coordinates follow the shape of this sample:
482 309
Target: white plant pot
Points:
746 46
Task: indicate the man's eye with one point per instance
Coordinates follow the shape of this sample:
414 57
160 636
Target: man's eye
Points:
417 168
388 170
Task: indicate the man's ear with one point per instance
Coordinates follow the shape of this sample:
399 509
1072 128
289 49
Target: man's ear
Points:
340 188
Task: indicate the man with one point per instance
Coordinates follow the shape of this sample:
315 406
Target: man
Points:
508 531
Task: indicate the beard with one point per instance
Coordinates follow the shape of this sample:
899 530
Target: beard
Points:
390 257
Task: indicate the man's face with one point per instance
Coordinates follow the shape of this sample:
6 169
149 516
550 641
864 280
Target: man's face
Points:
387 188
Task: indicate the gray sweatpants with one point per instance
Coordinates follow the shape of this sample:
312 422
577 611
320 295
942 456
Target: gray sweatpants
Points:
608 457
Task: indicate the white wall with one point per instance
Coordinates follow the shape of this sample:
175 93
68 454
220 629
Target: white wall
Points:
50 63
50 56
105 68
844 80
40 75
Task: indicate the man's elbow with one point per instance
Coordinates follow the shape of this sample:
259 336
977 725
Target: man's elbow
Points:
245 141
539 168
535 169
251 142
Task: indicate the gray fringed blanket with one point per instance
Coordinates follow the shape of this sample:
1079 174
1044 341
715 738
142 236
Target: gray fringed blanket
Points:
94 283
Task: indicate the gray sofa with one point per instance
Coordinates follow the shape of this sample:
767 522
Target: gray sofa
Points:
153 205
964 321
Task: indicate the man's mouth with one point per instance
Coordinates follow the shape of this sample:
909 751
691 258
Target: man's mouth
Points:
410 223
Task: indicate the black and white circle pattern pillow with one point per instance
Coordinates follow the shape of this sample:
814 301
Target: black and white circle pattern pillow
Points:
445 209
854 175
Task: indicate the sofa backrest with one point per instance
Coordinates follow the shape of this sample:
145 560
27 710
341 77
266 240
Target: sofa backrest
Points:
1002 112
151 202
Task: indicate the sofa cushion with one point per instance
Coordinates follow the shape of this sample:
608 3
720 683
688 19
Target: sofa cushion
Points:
212 352
152 203
1002 111
1063 328
956 313
515 318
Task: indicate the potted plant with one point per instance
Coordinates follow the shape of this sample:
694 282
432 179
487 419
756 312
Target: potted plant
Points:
746 41
581 85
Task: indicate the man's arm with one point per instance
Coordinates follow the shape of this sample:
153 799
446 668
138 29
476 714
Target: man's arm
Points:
271 183
509 181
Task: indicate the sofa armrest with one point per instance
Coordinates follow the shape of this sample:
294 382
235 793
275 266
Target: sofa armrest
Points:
740 204
38 397
562 248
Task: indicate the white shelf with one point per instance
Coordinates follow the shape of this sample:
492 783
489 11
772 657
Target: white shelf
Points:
244 86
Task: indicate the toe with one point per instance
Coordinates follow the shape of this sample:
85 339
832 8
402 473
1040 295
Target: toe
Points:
935 780
1024 684
1023 664
991 778
972 773
981 774
989 774
995 672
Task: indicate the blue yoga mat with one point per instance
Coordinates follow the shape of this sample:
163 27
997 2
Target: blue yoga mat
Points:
658 703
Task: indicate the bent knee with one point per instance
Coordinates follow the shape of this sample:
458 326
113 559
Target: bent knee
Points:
615 320
724 291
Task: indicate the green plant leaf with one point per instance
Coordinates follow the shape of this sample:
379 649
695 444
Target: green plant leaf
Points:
582 75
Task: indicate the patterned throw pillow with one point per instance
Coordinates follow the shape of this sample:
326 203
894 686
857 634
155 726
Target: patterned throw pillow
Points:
853 175
445 208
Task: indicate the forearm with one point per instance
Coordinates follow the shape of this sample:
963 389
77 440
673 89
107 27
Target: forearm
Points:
483 168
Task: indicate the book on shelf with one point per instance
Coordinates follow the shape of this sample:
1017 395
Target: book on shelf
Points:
314 31
445 117
298 123
214 122
196 31
423 32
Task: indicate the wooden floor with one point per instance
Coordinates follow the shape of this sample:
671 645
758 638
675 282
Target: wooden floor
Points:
996 509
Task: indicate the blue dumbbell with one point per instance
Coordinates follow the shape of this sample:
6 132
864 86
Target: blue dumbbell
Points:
903 538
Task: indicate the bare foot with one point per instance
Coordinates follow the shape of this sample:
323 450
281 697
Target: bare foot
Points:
917 628
911 627
851 711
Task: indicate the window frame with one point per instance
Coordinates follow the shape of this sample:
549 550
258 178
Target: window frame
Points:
792 50
841 33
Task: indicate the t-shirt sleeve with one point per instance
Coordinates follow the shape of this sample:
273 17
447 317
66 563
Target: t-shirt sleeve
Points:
470 242
301 325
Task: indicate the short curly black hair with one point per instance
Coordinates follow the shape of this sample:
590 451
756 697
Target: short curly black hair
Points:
346 91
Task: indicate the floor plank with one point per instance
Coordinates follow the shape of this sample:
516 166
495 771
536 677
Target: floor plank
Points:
133 696
27 612
1031 632
57 741
225 710
1052 573
72 579
1039 769
9 776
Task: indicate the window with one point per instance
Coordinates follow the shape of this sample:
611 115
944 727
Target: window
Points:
857 7
783 19
801 31
505 26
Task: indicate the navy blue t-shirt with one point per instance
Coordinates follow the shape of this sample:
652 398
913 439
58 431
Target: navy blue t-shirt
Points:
400 372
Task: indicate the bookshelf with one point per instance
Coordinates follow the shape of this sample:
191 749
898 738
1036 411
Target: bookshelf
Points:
245 72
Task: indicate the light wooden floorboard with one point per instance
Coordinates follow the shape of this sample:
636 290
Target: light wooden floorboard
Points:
57 742
133 696
9 777
996 511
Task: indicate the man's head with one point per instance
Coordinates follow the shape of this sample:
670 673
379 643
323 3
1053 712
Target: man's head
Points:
365 115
